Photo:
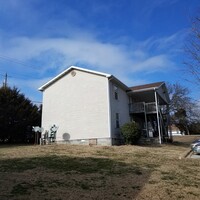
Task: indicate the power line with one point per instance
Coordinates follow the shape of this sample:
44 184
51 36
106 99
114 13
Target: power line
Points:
17 61
18 76
4 75
15 75
37 102
5 83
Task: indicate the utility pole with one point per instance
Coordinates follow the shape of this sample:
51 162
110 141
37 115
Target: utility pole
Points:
5 80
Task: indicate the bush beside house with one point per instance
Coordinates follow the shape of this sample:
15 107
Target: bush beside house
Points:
130 132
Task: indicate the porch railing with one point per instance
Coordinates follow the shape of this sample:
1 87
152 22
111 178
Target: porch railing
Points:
141 107
136 107
150 107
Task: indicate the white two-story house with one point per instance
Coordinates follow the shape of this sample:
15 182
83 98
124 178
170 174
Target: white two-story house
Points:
89 107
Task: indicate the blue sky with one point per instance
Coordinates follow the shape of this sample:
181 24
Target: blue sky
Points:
138 41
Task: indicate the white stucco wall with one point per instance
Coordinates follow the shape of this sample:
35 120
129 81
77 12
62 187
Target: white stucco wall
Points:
78 105
120 106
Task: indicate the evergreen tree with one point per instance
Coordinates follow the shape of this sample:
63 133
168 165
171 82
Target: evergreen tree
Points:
17 115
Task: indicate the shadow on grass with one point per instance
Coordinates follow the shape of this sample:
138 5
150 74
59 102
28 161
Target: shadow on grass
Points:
181 144
2 145
124 176
67 164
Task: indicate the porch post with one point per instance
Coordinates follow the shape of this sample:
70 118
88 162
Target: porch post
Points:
145 116
157 112
169 130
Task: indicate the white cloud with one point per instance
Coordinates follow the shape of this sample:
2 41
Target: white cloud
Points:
169 44
150 6
154 63
56 54
105 56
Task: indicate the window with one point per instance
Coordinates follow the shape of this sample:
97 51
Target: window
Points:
116 92
117 120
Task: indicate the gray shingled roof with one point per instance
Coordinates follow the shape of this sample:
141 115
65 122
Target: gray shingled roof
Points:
146 86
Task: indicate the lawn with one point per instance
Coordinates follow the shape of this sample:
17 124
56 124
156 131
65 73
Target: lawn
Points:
90 172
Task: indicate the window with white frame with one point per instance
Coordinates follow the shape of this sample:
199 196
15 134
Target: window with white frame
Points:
117 120
116 96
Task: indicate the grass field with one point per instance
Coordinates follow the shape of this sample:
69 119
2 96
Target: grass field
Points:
90 172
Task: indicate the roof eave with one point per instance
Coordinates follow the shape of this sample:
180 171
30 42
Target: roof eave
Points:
125 87
43 87
143 90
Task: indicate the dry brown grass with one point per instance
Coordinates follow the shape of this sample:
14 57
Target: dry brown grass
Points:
83 172
186 139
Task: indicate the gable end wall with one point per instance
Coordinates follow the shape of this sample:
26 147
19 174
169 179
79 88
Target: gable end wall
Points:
78 105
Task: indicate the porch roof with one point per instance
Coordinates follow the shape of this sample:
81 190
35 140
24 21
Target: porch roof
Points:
146 93
150 86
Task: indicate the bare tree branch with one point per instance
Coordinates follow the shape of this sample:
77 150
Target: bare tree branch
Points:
192 50
183 110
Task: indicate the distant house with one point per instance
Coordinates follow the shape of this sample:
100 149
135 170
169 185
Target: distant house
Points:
89 107
175 131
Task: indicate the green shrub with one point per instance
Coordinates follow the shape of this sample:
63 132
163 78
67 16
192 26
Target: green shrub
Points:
131 133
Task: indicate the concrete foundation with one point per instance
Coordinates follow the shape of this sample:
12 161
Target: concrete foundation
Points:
92 141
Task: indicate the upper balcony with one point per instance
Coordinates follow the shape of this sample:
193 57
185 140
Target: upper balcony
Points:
142 107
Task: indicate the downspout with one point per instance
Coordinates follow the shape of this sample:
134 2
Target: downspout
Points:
169 130
109 110
157 112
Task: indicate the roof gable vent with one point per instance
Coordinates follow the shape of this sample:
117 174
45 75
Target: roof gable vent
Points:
73 73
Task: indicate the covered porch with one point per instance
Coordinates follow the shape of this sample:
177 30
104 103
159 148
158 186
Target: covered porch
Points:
149 107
